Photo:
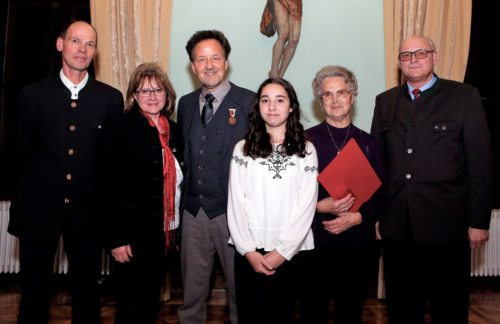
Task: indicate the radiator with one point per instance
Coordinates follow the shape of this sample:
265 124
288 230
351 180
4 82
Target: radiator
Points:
9 249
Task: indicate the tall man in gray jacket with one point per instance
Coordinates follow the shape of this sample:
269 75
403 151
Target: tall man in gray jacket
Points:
213 119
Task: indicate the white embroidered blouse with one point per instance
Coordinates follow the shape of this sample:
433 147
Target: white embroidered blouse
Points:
271 201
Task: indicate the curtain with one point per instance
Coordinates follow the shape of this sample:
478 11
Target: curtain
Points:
446 22
130 32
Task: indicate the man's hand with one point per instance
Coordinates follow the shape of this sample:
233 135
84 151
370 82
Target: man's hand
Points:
478 237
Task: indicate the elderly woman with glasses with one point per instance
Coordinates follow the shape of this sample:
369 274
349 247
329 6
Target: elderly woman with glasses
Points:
144 171
346 254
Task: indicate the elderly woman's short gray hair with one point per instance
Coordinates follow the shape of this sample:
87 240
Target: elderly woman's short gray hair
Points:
330 71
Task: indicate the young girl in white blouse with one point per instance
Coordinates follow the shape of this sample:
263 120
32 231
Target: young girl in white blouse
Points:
271 205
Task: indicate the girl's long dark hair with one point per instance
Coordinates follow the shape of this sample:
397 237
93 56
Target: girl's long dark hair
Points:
257 140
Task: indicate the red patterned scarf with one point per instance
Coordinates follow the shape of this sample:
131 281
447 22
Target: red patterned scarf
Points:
169 179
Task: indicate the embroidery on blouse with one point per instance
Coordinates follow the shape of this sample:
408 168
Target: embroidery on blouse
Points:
311 168
277 162
240 161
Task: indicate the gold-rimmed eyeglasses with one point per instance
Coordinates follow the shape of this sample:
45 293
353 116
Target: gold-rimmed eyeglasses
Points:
420 54
339 94
148 92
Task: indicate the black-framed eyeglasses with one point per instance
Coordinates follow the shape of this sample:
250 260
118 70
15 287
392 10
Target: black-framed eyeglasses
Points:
148 92
420 54
340 94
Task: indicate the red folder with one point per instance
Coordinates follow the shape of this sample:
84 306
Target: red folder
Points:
350 172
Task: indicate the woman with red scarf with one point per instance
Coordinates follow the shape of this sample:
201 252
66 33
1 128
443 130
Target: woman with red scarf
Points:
144 155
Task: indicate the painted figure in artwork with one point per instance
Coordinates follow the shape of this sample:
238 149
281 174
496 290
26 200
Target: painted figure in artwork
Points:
285 17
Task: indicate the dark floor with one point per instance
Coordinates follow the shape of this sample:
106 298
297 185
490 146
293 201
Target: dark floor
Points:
485 303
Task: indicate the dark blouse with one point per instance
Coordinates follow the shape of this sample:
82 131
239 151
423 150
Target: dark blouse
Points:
327 139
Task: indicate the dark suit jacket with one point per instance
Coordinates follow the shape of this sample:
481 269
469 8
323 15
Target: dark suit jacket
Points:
57 155
239 98
438 162
133 190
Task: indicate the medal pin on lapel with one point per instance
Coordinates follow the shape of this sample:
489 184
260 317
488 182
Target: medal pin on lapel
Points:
232 116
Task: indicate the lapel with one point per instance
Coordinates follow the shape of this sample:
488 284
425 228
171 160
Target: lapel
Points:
192 109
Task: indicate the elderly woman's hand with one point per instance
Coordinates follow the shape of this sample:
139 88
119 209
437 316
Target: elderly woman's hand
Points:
343 222
331 206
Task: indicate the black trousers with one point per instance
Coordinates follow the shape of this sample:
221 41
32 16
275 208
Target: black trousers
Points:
138 283
342 273
267 299
419 273
36 264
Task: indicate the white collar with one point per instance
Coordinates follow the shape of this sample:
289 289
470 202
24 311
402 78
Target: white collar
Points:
74 88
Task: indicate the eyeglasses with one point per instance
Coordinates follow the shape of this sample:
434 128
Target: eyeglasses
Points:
420 54
340 94
148 92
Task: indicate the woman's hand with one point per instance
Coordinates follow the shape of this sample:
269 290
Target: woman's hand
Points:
335 207
343 222
259 263
122 254
274 258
